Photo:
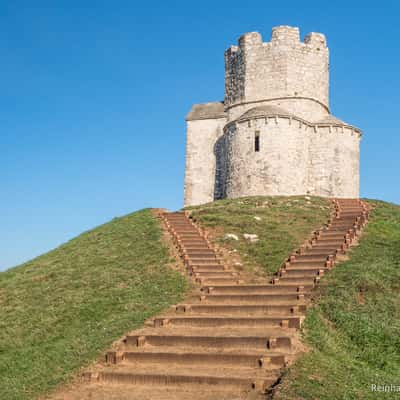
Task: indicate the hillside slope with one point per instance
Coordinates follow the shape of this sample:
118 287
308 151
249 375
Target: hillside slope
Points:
353 331
281 223
215 347
60 311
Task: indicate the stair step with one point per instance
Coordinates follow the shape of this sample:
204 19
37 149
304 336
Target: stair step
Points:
216 275
343 230
204 260
320 250
193 241
308 263
115 391
253 298
327 249
310 257
169 379
302 273
331 239
215 281
303 268
342 223
209 267
335 231
243 309
330 235
348 213
201 321
257 360
181 225
211 342
183 222
189 235
254 289
328 243
197 253
194 245
296 280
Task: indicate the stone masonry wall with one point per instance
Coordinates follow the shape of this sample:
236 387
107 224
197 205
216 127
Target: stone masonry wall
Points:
279 168
294 158
334 167
308 110
284 68
279 89
200 159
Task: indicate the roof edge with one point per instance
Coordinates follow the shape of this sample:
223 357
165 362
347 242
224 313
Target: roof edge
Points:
212 110
274 111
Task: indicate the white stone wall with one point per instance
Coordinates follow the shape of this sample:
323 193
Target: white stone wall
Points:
303 148
201 138
279 168
282 68
294 158
307 109
334 162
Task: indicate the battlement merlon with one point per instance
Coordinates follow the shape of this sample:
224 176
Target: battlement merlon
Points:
315 39
280 35
283 68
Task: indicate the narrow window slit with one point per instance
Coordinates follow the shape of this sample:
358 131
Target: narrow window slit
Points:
257 141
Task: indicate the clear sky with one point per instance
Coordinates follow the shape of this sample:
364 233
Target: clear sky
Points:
94 96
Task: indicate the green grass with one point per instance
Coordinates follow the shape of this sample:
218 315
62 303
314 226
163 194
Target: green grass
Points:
284 223
60 311
353 331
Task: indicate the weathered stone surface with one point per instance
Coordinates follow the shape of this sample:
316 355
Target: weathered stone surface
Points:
251 237
201 160
277 91
206 111
231 236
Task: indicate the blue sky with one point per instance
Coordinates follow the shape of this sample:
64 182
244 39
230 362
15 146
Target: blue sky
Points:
93 100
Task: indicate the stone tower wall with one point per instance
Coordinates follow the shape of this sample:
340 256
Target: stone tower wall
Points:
279 89
334 169
279 168
285 71
295 158
200 159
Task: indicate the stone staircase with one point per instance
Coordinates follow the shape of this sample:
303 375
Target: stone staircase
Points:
232 339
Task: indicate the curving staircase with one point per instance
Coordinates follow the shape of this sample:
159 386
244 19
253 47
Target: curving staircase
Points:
232 340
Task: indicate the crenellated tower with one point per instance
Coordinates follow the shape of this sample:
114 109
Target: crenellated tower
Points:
273 134
284 72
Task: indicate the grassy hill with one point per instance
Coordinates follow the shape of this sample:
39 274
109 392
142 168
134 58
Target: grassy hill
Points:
353 331
281 223
61 310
